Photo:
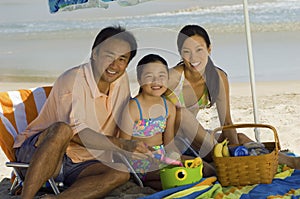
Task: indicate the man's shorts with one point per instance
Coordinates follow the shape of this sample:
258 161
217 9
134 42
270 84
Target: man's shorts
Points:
69 170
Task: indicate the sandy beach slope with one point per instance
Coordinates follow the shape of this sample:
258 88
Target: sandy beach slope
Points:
278 104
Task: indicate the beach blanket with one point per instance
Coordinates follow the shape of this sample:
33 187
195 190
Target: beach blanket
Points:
286 184
69 5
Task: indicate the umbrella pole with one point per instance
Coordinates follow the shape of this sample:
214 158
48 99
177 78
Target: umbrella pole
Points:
251 67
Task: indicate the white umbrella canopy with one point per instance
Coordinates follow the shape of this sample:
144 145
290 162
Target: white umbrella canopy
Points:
67 5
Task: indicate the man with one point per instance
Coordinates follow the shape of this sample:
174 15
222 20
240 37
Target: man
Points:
73 136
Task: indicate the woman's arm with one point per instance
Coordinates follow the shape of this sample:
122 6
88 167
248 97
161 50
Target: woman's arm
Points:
223 107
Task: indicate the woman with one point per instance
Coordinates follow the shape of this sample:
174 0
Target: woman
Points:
196 83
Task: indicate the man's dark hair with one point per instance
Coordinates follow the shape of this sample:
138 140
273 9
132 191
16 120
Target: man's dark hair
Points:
119 33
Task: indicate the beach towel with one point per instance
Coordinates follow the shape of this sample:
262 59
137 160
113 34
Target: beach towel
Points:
286 184
17 110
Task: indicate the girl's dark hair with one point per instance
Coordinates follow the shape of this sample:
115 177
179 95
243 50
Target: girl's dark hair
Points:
150 58
119 33
212 78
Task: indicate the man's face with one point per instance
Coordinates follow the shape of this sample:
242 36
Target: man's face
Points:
110 59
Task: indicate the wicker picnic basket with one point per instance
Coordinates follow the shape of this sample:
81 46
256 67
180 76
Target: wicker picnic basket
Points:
248 170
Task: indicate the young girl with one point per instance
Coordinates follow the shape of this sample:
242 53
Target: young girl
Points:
152 117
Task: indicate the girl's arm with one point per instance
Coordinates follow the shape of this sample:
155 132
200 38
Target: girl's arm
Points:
174 79
223 107
126 129
168 137
127 122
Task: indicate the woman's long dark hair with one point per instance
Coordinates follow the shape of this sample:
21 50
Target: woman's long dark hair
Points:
212 78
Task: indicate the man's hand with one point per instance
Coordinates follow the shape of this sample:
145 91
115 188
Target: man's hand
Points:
138 149
93 140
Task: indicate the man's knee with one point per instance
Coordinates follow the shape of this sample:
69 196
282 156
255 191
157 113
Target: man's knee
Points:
62 130
61 126
58 132
120 176
123 176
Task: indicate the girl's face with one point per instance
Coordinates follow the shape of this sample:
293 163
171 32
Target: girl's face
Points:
154 79
195 53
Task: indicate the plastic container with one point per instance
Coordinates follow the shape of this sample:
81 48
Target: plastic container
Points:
174 176
238 151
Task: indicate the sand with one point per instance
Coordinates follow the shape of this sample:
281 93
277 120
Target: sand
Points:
278 104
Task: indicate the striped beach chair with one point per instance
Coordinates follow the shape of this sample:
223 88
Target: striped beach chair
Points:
17 110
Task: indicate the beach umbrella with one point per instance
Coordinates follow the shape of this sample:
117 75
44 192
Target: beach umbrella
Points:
251 66
68 5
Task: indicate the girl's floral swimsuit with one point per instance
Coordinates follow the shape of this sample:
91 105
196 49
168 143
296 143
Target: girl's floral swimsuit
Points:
144 128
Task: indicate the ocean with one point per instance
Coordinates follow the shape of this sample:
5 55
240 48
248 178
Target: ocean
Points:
37 46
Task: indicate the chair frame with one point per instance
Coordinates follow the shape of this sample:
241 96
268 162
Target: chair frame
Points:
187 144
130 168
18 181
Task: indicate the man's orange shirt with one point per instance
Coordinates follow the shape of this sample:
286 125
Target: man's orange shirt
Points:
76 100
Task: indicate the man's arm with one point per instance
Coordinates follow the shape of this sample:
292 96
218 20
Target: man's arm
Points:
93 140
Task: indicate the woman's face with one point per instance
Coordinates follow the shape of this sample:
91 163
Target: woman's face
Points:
154 79
195 53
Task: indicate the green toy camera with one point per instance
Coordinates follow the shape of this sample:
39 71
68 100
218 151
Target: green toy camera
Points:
174 176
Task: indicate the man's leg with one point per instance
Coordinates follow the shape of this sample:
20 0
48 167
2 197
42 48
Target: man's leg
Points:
96 181
46 161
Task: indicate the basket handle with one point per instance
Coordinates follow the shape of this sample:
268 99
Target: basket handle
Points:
249 125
